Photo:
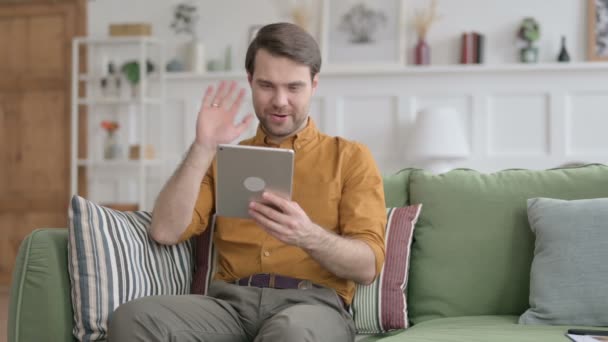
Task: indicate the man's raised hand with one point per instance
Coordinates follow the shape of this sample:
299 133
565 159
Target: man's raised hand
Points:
215 122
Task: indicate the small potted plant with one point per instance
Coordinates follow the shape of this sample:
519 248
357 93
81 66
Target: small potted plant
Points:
529 32
111 148
131 71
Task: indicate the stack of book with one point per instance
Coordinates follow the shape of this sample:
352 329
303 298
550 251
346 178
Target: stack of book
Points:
130 29
472 48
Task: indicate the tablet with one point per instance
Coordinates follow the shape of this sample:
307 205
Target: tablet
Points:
244 172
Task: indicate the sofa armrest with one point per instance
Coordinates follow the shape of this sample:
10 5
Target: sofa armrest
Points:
40 308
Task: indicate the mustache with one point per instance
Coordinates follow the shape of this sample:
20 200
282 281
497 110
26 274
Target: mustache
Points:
278 112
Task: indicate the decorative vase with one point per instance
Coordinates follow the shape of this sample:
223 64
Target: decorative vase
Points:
422 53
196 56
111 148
134 90
529 54
228 58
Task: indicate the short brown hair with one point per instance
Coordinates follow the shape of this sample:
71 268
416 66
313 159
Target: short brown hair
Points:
285 40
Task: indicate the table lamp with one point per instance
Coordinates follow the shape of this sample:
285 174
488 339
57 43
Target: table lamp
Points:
438 138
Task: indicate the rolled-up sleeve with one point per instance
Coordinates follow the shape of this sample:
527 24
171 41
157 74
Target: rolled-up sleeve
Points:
204 206
362 207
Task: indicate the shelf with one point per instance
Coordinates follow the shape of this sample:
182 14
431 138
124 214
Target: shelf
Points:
116 40
118 162
96 78
464 68
398 70
148 96
117 101
211 75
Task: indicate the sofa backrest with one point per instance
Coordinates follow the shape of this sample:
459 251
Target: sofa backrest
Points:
473 247
396 192
40 307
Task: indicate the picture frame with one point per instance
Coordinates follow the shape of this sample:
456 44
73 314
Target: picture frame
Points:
363 33
597 31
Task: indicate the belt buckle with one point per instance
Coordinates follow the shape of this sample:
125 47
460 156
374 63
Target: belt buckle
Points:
304 285
271 281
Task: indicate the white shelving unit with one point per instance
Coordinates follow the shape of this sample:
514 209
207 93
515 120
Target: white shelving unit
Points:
135 109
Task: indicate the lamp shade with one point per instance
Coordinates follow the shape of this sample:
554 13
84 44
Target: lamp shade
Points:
438 133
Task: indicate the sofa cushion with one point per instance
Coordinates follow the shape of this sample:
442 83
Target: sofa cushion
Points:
396 192
40 290
473 246
569 277
382 305
112 260
477 329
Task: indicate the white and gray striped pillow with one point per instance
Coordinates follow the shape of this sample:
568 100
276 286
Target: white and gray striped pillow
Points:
112 260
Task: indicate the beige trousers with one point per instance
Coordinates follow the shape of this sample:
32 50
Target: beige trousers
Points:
235 313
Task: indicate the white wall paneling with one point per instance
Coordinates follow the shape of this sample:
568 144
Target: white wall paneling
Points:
518 125
374 120
516 116
586 125
317 111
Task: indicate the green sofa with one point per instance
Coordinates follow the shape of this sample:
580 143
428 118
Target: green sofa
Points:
469 271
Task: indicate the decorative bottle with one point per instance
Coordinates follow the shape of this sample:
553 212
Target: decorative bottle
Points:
564 56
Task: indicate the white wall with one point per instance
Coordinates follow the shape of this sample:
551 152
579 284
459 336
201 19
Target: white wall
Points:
222 23
519 116
226 22
516 116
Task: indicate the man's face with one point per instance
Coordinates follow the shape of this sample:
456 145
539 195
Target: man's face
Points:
281 90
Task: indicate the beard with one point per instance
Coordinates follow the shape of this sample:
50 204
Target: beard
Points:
291 125
293 122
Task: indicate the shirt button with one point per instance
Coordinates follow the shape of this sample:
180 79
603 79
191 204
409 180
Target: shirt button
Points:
266 253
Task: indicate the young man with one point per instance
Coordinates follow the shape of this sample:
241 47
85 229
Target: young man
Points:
288 273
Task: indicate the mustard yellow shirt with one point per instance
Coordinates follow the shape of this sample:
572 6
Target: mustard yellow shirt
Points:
338 185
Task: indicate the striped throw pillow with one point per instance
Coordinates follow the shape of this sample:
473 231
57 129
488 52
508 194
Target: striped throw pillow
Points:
382 305
112 260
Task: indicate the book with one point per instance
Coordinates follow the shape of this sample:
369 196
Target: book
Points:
464 49
480 47
472 47
474 52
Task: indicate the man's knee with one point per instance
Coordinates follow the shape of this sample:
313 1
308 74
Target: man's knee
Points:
306 323
289 327
135 321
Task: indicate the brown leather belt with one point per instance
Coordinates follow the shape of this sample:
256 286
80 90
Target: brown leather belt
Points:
275 281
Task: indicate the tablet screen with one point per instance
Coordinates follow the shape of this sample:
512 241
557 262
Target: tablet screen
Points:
245 172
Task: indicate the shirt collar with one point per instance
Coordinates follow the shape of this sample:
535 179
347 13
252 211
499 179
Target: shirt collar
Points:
309 133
